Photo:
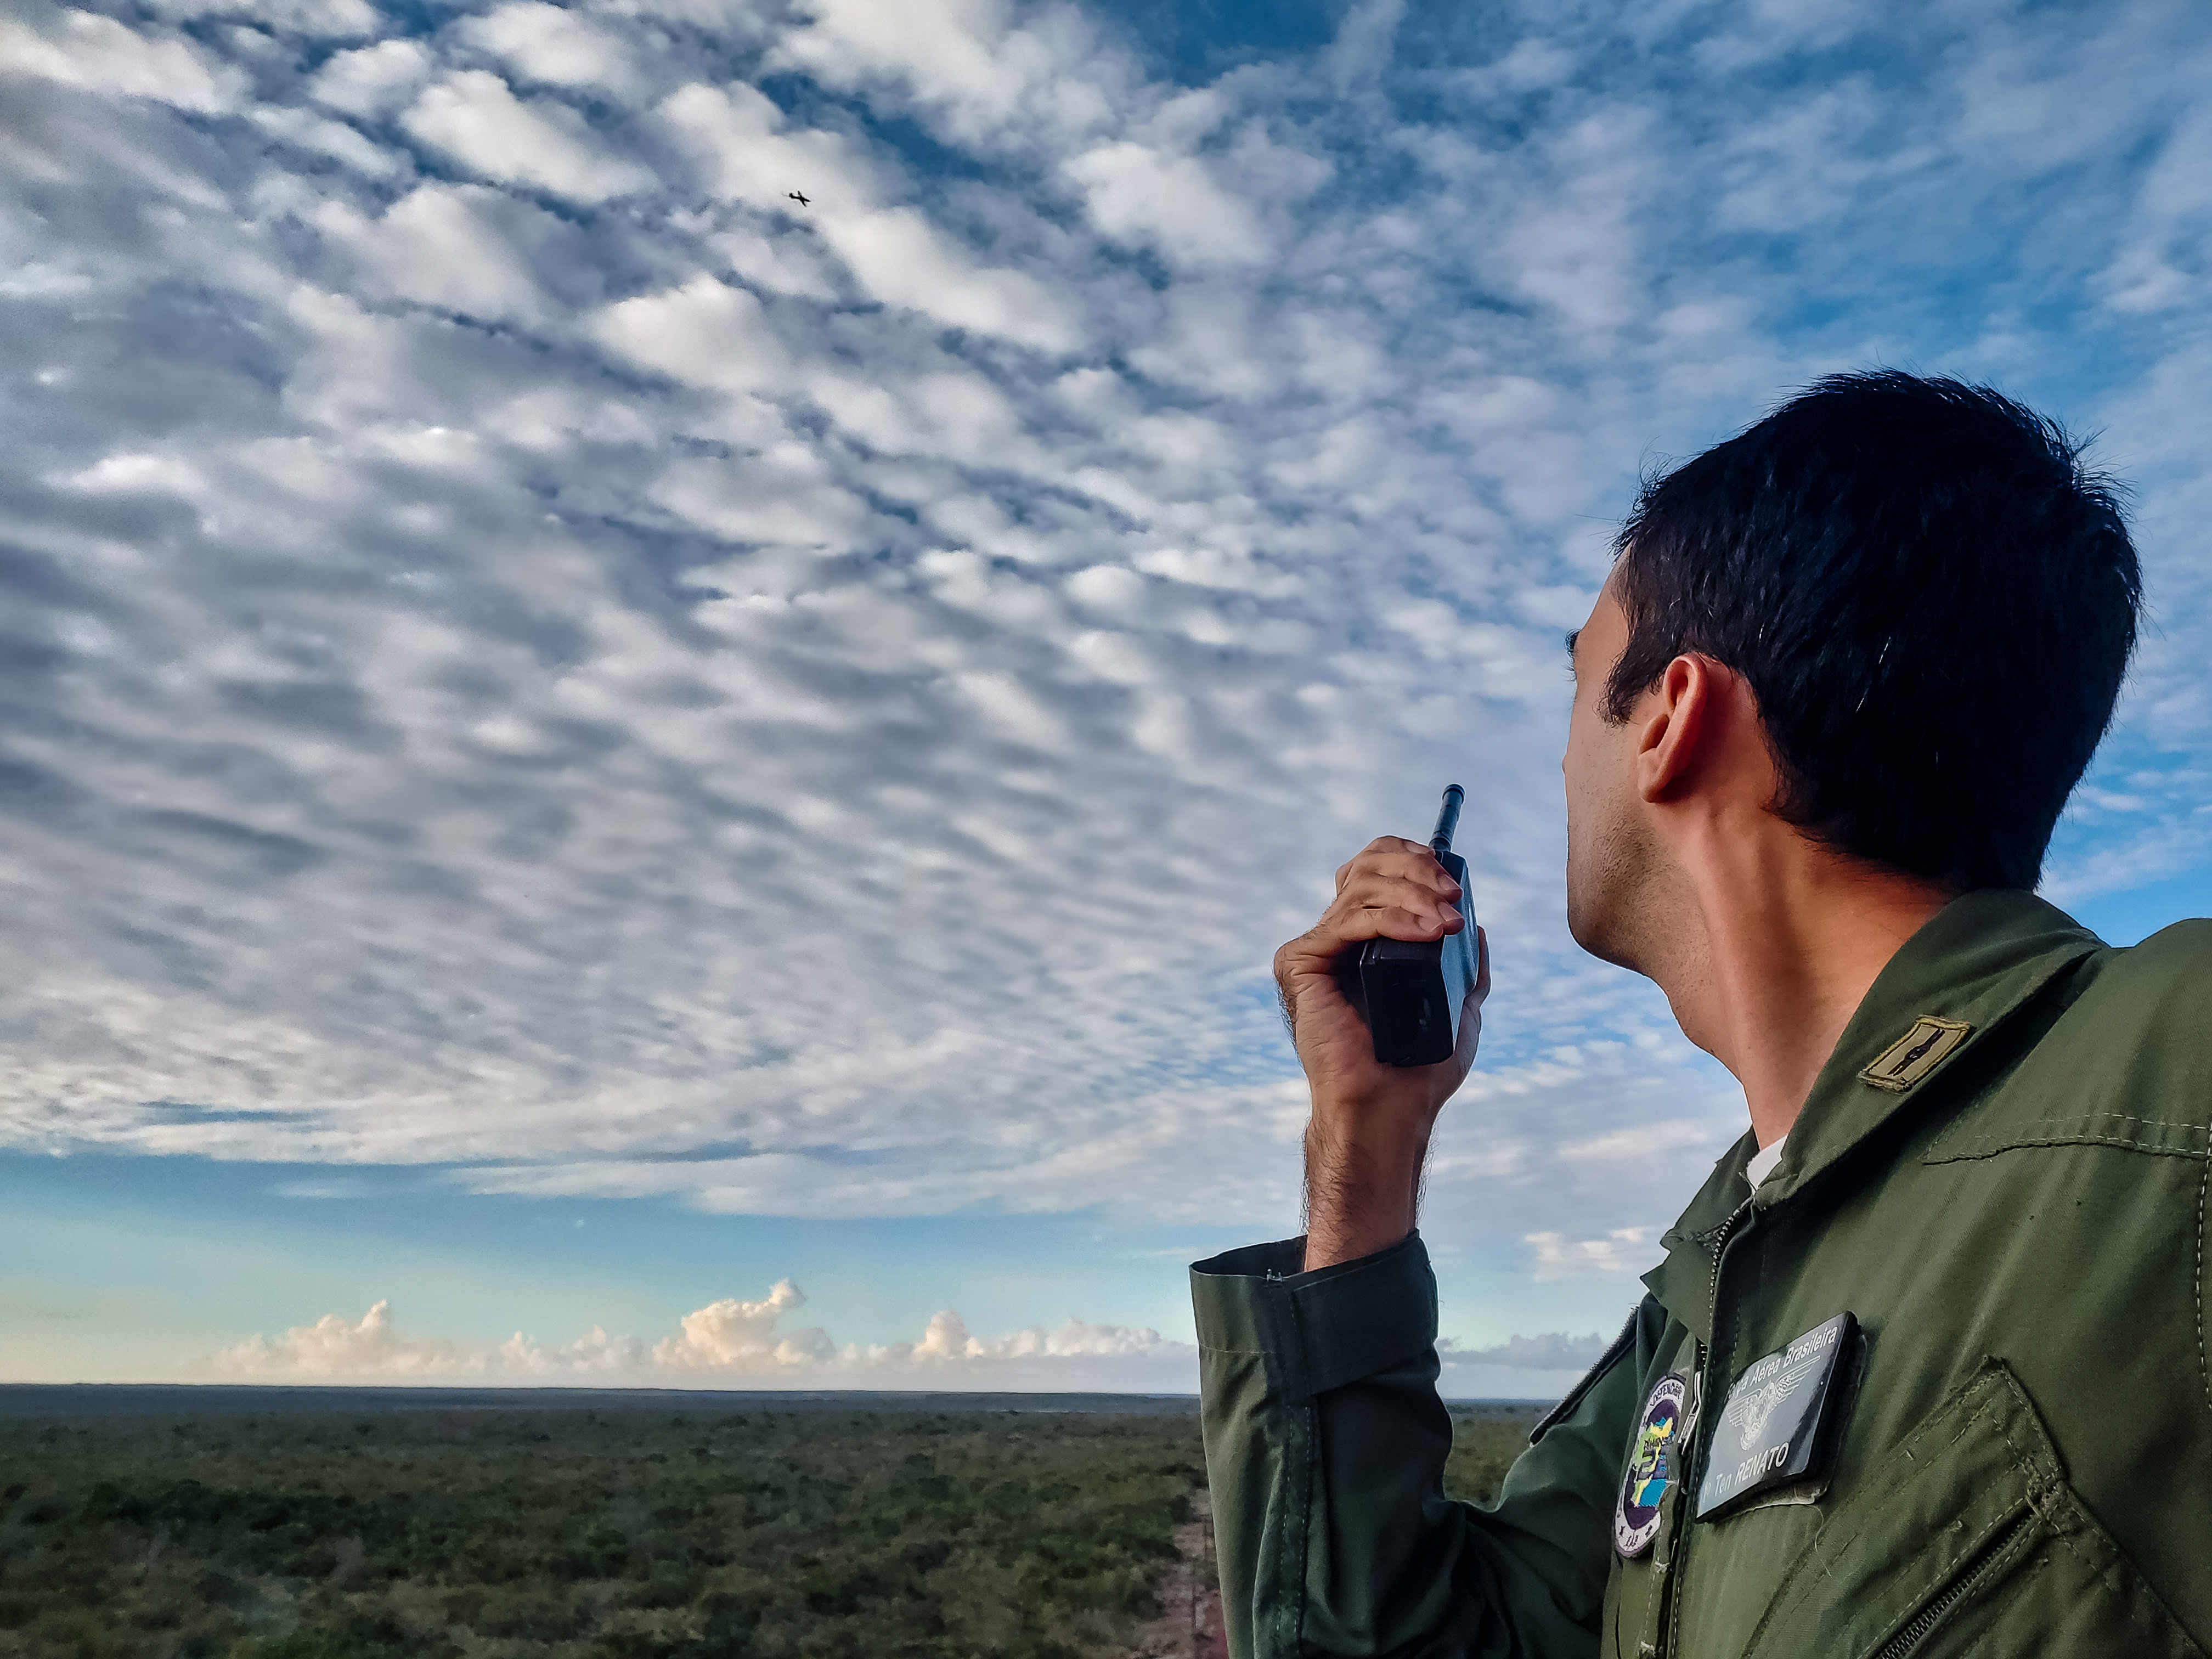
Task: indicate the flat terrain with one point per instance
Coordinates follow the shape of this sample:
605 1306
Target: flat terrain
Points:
268 1525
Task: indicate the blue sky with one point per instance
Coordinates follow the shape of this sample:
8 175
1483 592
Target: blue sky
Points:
586 742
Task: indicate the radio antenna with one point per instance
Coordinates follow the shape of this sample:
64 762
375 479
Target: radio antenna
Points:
1446 819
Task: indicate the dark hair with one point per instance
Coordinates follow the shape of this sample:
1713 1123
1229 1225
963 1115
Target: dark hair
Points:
1932 599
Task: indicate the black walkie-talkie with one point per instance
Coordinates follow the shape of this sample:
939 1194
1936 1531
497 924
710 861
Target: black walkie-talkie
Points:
1410 992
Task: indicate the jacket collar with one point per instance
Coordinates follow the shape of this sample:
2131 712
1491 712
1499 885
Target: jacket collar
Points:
1972 965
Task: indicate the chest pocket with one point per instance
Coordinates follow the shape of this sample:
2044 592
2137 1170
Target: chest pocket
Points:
1969 1541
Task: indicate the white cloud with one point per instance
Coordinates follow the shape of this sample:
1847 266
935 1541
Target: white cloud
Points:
1208 339
728 1344
945 1346
326 19
440 245
138 473
1555 1350
1207 567
705 332
2162 263
1137 194
472 117
780 265
1640 1141
595 1353
738 1344
736 134
896 255
965 60
554 46
903 260
1021 716
332 1347
370 80
332 139
959 416
1621 1251
98 54
730 1333
374 1349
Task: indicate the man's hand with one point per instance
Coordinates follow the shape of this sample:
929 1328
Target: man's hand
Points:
1371 1124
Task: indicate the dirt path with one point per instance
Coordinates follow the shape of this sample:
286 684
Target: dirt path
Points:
1189 1625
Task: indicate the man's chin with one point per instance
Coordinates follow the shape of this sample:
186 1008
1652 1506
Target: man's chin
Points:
1595 927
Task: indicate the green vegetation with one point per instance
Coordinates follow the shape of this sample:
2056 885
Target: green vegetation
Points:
623 1534
626 1534
1486 1439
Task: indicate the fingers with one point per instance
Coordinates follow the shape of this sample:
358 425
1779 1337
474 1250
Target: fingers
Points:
1411 906
1403 876
1345 924
1342 927
1372 887
1402 921
1369 892
1394 854
1395 889
1397 846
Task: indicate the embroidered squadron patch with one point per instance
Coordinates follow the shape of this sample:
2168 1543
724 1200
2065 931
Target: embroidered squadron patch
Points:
1918 1052
1656 1465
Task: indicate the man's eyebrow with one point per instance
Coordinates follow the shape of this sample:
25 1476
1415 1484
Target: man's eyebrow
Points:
1573 633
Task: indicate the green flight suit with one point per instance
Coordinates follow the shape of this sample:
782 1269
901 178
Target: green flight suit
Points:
2001 1172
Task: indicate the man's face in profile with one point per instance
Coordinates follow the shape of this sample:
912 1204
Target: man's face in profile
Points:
1608 852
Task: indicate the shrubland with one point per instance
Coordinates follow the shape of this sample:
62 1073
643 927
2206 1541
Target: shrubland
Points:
652 1532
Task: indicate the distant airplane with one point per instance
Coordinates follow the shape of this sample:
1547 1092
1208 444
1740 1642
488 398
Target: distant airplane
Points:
799 197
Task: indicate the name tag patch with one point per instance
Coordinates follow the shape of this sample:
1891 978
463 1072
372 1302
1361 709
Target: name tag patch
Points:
1656 1465
1773 1430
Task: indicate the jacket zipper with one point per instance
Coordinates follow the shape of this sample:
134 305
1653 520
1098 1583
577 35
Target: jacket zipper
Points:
1918 1627
1713 1316
1713 1289
1700 1452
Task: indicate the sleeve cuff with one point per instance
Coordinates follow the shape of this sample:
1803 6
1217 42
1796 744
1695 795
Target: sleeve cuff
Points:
1321 1330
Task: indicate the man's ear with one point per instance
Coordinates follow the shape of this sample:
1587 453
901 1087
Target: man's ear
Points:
1677 727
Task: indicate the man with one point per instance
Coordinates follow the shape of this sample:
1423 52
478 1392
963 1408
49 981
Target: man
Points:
1923 1371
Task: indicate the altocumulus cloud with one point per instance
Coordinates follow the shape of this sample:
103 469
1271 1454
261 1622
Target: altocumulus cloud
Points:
530 652
729 1343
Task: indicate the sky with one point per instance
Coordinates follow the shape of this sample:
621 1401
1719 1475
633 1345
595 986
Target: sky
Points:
608 775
